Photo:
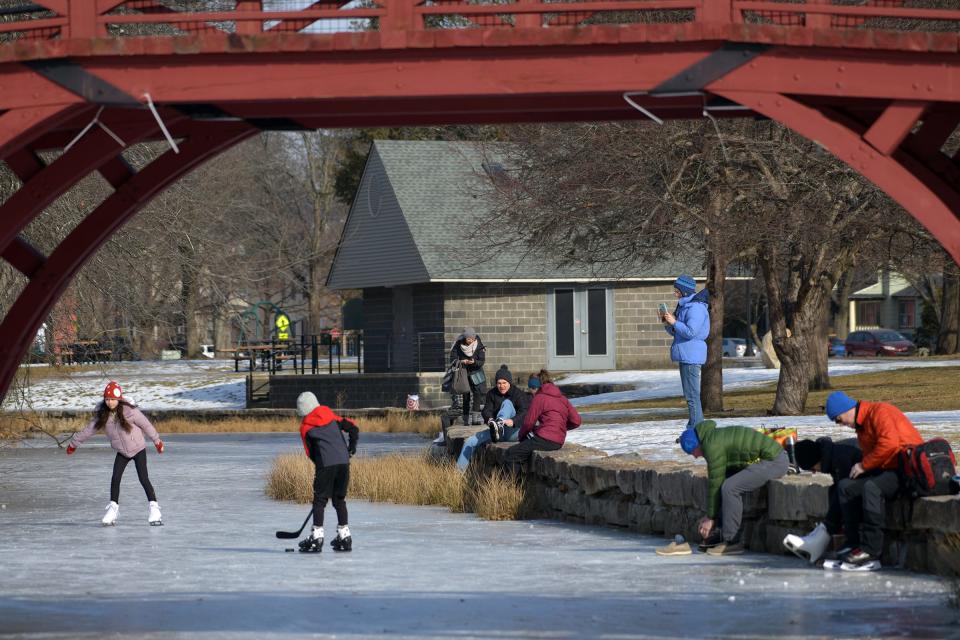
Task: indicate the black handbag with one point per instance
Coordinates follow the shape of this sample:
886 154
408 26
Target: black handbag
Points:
461 380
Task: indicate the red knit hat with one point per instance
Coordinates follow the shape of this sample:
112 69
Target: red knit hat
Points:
113 390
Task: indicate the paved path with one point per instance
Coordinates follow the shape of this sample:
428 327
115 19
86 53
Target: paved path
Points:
216 571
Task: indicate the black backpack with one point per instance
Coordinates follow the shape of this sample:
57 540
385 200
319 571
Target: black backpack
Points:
928 468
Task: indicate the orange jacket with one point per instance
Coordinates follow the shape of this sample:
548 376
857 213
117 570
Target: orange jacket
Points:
883 432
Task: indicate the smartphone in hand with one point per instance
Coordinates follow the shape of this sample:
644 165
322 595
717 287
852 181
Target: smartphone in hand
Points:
662 309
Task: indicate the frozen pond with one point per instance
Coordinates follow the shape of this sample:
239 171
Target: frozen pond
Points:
217 571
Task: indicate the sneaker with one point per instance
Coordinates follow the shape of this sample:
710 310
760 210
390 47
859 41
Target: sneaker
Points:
726 549
674 549
110 517
870 565
858 556
712 540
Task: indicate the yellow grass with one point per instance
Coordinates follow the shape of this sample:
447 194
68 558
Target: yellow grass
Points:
19 424
405 479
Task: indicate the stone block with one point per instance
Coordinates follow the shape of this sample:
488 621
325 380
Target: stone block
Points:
799 497
938 513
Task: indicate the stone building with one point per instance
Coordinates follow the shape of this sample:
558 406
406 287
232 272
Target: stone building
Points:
408 245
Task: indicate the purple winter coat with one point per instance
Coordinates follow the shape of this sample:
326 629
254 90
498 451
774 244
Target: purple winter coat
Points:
127 444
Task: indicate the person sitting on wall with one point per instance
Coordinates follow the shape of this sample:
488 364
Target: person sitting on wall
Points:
503 411
835 459
883 431
739 460
545 426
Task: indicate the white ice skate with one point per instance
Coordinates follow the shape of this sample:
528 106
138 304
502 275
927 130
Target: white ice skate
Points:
110 517
810 547
154 518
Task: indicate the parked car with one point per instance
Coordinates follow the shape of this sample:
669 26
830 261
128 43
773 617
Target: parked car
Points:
878 342
835 347
734 347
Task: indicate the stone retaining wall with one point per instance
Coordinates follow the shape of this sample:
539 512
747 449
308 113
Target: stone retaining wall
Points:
663 498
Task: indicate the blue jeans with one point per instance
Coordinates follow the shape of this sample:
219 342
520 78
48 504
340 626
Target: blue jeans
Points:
690 381
507 410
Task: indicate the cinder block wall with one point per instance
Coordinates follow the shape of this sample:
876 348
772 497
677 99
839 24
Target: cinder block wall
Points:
511 320
641 339
580 484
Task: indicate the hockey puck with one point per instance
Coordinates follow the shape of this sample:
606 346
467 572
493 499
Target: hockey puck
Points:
289 550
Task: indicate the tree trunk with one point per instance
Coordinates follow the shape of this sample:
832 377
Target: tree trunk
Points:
323 160
711 382
840 303
950 309
792 385
817 352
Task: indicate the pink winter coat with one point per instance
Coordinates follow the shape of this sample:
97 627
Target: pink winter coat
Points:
127 444
550 415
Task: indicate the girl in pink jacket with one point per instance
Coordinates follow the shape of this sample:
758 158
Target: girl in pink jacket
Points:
125 427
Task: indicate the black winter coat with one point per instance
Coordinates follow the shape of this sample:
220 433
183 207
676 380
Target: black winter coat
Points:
837 458
479 354
493 402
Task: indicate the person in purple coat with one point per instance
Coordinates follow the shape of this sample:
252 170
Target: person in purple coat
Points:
125 425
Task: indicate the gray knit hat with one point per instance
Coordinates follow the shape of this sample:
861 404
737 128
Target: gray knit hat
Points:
469 332
306 403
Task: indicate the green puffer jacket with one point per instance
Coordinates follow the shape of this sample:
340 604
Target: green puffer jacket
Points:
729 450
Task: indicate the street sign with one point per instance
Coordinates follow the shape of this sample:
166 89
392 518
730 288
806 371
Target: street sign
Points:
334 334
283 326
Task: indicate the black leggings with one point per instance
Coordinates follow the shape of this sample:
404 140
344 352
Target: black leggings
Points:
331 482
120 464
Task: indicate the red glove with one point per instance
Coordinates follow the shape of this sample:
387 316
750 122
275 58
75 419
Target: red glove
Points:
70 449
159 445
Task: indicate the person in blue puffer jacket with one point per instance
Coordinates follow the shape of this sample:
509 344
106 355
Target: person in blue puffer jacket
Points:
689 325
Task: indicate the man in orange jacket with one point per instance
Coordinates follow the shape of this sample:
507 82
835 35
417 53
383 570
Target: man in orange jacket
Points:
883 432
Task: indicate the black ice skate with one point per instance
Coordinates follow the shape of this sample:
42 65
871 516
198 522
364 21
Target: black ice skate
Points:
496 430
314 542
343 541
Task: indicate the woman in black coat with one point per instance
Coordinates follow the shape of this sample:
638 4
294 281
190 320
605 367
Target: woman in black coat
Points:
469 351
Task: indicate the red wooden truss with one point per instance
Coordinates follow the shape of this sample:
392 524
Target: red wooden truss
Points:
876 82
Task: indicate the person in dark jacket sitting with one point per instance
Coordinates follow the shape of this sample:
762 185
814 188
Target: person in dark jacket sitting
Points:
739 460
469 351
545 426
321 432
504 408
835 459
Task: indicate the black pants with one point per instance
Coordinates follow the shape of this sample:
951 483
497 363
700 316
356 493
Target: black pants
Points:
330 482
520 453
472 400
120 464
863 502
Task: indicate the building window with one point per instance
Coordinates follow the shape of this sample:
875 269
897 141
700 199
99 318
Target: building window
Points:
868 313
907 314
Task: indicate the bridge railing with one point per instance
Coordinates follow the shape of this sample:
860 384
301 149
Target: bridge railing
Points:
50 19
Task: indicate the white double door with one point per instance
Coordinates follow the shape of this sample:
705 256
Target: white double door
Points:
580 328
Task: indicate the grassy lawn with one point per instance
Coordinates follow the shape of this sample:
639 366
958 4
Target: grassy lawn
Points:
927 389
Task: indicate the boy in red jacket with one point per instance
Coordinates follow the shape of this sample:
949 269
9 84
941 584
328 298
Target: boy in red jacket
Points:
323 442
545 426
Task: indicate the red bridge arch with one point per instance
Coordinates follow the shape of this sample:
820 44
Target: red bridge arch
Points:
877 84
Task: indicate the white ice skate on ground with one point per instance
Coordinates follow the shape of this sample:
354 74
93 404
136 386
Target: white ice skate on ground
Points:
154 518
110 517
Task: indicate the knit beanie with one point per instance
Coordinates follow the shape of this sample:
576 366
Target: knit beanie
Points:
689 440
503 374
113 390
306 403
685 284
533 382
469 332
807 453
838 402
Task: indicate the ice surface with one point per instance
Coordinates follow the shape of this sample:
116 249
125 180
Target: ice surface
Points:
215 570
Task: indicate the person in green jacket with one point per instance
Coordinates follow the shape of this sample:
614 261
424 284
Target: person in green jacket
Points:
739 459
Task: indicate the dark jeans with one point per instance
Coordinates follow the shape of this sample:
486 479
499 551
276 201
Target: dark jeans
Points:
520 453
731 491
330 482
120 465
863 501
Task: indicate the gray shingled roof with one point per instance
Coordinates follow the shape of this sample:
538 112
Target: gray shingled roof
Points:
440 188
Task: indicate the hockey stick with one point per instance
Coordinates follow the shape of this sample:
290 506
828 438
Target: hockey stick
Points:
295 534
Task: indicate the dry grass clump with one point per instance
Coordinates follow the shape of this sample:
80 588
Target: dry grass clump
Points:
406 479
